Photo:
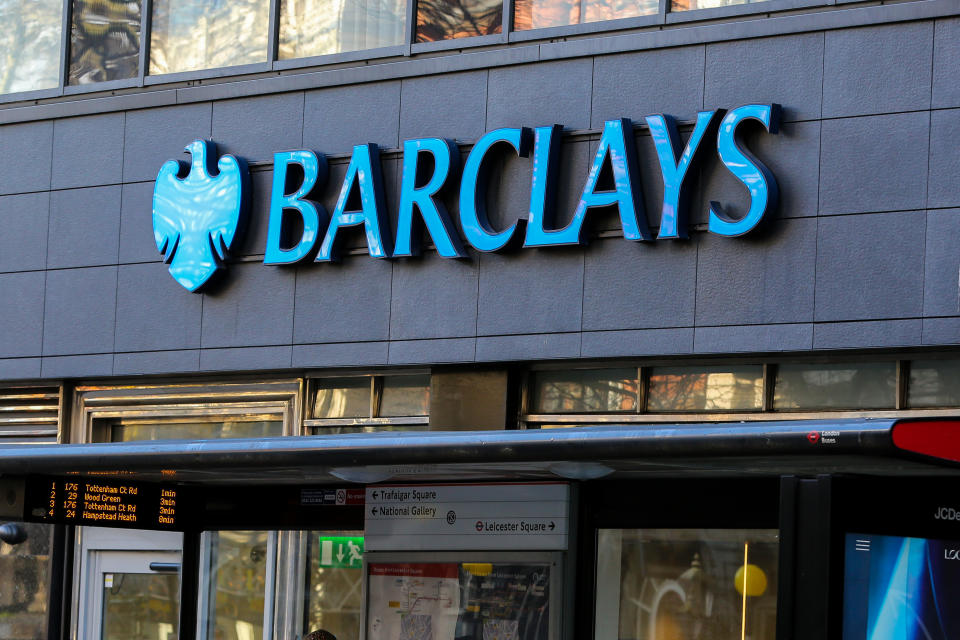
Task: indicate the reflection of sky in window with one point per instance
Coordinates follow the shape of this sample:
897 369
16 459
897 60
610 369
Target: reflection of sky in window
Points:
31 54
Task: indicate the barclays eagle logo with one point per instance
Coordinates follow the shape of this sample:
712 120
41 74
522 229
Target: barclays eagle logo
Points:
199 217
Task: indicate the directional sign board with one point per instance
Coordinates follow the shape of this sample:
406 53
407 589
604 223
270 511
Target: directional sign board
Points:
341 552
518 516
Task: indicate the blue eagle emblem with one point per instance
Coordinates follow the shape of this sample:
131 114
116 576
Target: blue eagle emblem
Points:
199 217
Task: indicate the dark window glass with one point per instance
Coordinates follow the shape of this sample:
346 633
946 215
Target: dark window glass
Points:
30 44
186 35
709 584
104 41
447 19
342 398
322 27
706 389
866 385
587 391
24 582
538 14
690 5
934 383
405 396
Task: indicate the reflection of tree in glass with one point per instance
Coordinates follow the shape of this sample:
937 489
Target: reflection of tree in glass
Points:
105 41
588 396
321 27
29 44
446 19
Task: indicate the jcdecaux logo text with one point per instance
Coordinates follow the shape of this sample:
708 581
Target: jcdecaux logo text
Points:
200 209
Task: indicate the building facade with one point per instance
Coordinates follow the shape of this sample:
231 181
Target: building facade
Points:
837 296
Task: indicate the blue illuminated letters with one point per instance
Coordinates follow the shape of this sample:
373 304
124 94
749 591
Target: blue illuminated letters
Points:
198 215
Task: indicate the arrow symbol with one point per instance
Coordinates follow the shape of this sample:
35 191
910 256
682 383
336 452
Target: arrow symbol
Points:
373 511
552 526
340 552
374 494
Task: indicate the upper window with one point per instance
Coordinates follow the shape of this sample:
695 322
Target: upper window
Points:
104 41
538 14
30 42
322 27
446 19
370 402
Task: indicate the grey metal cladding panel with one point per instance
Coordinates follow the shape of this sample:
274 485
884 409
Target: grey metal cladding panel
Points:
432 351
639 285
634 85
434 297
876 163
84 227
543 346
254 239
446 106
79 311
256 128
786 69
880 69
23 242
874 333
21 314
153 362
870 266
941 264
946 71
938 331
337 118
153 136
245 358
252 305
77 366
792 155
88 151
344 302
540 94
531 291
761 278
154 312
19 368
340 354
755 338
944 187
137 243
635 343
32 145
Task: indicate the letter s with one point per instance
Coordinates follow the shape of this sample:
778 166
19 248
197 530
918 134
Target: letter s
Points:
747 168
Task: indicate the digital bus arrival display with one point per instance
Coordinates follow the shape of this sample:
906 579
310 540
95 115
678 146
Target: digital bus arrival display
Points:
104 503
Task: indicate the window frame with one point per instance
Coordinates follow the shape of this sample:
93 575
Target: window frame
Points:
373 422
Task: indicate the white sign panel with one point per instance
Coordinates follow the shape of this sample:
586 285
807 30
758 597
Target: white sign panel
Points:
454 517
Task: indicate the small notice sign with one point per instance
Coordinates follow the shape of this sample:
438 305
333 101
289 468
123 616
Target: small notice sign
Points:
503 516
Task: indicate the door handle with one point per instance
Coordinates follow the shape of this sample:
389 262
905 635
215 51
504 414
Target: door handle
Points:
165 567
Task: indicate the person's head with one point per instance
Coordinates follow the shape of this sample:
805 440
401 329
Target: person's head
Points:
320 634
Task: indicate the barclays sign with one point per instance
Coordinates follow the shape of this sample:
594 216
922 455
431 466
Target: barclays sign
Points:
200 209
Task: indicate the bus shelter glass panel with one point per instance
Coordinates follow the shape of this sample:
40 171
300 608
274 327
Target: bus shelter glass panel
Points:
236 578
30 42
686 584
448 19
458 601
934 383
683 389
864 385
187 35
140 605
24 580
585 391
104 41
538 14
333 592
322 27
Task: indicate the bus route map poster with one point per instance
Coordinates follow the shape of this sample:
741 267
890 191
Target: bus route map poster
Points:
458 601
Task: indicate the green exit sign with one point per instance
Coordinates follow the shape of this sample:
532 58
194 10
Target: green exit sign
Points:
341 552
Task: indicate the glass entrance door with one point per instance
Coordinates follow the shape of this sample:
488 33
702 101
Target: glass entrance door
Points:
136 594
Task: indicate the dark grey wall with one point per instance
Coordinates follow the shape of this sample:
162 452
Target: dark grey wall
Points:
864 251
